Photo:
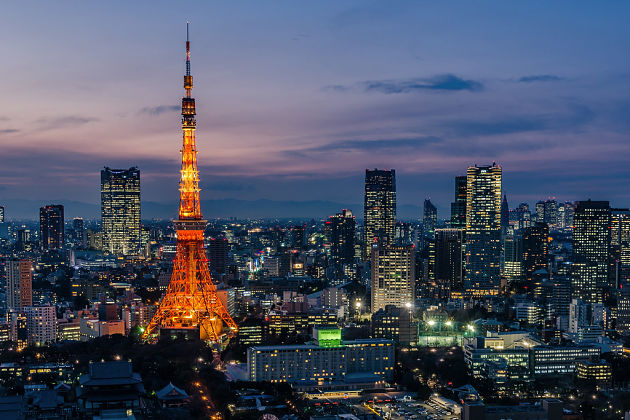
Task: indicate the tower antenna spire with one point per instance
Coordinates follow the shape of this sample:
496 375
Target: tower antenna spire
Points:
187 48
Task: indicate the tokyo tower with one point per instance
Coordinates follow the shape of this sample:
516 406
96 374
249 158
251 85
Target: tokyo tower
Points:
190 307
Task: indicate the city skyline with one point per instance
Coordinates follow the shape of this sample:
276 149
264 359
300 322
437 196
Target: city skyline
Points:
307 106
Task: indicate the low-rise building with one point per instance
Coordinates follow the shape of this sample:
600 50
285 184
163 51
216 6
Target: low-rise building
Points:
326 362
598 371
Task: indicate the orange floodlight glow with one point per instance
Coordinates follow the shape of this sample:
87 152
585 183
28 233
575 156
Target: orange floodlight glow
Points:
191 300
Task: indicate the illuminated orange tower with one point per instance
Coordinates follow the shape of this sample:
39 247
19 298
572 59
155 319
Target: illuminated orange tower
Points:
190 306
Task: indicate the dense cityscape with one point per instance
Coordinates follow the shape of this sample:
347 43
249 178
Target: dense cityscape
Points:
491 309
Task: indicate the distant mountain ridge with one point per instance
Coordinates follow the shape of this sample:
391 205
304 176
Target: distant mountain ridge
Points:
241 209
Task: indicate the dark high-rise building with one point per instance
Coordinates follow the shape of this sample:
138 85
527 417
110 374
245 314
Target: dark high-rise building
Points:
51 227
619 272
591 244
547 212
449 268
521 216
535 249
565 215
1 214
339 231
395 323
78 230
218 252
512 256
505 216
458 207
379 209
23 242
483 230
120 210
405 233
429 222
297 233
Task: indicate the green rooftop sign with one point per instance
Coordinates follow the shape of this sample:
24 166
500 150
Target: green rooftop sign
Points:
328 337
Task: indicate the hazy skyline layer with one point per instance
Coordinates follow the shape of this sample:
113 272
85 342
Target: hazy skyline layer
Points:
296 99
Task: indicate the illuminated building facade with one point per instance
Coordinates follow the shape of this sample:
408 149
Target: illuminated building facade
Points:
191 306
396 324
379 209
41 322
1 214
591 243
393 276
483 230
120 211
19 284
51 227
327 360
600 372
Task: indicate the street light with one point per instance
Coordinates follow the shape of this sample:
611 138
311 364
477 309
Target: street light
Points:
448 323
431 323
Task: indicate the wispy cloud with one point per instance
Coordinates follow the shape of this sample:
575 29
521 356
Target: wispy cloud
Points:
437 83
577 116
540 78
160 109
9 131
63 122
379 144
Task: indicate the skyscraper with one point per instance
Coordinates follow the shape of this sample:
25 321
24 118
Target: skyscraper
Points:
339 231
505 216
379 209
535 249
393 276
512 256
120 210
429 222
547 212
51 227
458 207
1 214
521 216
449 267
78 230
218 255
19 284
619 272
591 243
483 230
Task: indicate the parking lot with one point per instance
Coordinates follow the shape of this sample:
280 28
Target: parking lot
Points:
406 410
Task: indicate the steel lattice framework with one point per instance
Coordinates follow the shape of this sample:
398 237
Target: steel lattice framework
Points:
191 301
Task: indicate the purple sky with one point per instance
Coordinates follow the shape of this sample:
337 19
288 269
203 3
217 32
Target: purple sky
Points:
296 99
